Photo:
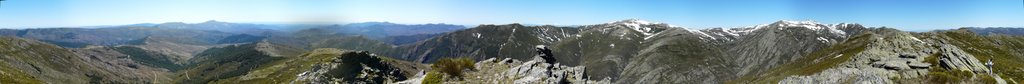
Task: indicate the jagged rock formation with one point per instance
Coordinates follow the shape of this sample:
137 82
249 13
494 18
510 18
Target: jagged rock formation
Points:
535 71
544 53
954 58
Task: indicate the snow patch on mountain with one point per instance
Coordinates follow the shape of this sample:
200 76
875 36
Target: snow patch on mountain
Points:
703 35
637 25
645 28
812 25
823 39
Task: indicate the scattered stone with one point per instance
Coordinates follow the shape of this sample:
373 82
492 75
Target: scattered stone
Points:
908 55
875 59
919 65
896 65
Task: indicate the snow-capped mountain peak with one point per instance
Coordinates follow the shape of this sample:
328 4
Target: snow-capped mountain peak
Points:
806 24
812 25
637 25
634 21
650 29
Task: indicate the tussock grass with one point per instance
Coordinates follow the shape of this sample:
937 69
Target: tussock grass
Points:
454 66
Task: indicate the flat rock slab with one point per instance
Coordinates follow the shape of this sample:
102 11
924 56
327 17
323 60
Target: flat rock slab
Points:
896 65
919 65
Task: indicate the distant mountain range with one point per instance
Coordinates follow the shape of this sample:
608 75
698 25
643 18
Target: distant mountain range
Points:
629 51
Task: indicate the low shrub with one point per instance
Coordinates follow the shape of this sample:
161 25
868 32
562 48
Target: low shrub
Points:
433 78
454 66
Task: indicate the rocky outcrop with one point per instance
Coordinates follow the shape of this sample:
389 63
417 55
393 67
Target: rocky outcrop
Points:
511 71
545 53
899 56
352 67
841 75
889 54
951 57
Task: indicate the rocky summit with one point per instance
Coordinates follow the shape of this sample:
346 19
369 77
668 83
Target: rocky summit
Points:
630 51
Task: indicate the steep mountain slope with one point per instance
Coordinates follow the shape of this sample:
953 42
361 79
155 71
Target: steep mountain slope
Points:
783 41
716 55
30 61
607 48
674 58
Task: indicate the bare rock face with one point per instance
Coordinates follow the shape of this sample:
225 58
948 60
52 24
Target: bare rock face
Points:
891 54
542 69
955 59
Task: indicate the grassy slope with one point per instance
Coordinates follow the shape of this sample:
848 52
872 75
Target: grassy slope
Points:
813 63
284 71
27 52
10 75
42 62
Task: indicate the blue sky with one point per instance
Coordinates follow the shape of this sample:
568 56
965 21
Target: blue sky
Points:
696 14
